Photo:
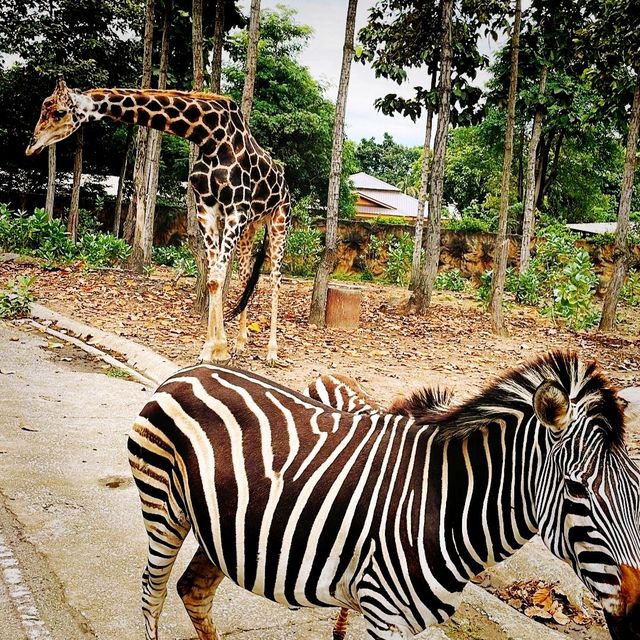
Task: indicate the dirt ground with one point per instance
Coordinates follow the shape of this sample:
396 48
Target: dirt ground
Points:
390 353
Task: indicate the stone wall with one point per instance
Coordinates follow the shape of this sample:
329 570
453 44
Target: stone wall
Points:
471 253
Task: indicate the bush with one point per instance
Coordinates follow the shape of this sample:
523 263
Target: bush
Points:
468 225
389 220
16 298
177 256
400 254
103 249
451 280
525 286
630 293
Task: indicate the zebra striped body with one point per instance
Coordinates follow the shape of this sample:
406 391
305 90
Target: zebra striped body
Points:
378 513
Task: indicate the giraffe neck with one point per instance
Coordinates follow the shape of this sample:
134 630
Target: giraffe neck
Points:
197 117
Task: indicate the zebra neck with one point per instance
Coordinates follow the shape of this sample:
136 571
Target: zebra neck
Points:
483 487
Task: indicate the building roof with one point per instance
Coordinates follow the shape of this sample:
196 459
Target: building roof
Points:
593 228
386 199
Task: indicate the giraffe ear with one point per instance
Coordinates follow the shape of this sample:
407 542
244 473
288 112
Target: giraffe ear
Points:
552 406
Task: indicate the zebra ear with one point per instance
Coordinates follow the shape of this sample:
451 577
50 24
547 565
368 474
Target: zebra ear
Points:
552 406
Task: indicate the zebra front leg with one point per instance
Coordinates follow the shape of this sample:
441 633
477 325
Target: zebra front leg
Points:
197 588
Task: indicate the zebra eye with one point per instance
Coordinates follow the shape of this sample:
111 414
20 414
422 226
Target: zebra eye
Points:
576 489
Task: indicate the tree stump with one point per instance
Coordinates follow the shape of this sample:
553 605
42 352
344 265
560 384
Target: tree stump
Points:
343 306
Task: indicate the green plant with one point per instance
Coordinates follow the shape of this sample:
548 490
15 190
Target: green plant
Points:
630 293
451 280
389 220
484 288
468 225
302 250
367 276
177 256
117 372
103 249
16 298
400 253
525 286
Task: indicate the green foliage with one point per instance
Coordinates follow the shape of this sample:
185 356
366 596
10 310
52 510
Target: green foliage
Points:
468 224
400 253
451 280
16 298
179 257
103 249
630 293
389 220
116 372
303 249
387 160
35 235
38 236
484 288
526 286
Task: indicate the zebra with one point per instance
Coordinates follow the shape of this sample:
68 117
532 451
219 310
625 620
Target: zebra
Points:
346 394
384 514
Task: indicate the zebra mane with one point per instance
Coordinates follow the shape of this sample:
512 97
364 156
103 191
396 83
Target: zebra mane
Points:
512 393
422 403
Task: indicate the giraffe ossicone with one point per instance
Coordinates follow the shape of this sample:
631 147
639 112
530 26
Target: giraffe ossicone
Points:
237 185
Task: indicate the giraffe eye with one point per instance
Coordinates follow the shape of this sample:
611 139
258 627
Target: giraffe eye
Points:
60 113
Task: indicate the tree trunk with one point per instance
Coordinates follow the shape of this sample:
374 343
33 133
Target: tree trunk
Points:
51 182
621 246
117 214
328 260
421 297
502 240
155 142
194 237
422 195
528 212
74 205
252 59
138 206
218 45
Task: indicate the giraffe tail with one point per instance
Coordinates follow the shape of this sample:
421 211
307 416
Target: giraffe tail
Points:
253 279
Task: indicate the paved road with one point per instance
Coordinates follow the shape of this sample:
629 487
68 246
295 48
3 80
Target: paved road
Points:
72 543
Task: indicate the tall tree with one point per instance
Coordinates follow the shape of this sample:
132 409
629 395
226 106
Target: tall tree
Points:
421 296
51 181
217 47
138 206
528 211
252 59
502 240
196 243
117 214
74 205
423 190
611 43
329 256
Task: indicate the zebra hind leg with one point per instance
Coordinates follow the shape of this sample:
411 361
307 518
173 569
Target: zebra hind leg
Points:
165 541
197 588
341 624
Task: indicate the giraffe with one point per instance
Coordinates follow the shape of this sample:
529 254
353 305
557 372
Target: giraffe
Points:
238 187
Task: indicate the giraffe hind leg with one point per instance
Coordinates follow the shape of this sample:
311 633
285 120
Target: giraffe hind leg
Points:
277 229
197 588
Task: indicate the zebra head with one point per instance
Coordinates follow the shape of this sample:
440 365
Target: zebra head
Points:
588 499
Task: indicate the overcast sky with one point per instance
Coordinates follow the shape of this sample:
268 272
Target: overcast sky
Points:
323 57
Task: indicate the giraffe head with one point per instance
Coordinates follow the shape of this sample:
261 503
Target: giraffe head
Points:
58 119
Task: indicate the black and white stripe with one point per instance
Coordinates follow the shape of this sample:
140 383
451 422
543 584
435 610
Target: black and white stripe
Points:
384 514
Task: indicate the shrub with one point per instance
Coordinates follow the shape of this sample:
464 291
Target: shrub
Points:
399 259
177 256
525 286
484 288
630 293
103 249
389 220
16 298
451 280
302 251
468 225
